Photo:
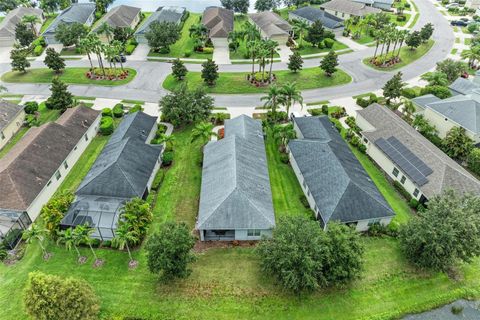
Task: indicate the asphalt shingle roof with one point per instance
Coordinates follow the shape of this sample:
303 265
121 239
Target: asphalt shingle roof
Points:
121 16
8 112
77 12
341 187
313 14
219 21
270 23
14 17
463 86
349 7
422 101
163 14
236 190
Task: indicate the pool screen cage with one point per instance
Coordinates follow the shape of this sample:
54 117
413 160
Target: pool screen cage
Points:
12 224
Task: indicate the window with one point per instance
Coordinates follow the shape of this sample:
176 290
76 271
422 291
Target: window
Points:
395 172
65 165
49 183
2 135
58 175
86 137
373 221
403 179
253 233
416 192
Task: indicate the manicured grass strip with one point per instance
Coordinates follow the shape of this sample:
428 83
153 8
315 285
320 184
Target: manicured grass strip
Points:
47 23
70 52
69 76
11 95
363 95
318 103
84 98
13 141
307 48
47 115
454 51
133 101
407 56
414 21
236 82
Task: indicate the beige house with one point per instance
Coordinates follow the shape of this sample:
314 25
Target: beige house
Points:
35 167
409 158
345 9
219 22
119 17
271 26
14 17
11 120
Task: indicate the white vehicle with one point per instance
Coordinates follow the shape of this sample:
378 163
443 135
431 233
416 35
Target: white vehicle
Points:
452 5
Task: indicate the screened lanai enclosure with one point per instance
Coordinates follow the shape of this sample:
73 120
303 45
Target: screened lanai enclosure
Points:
99 213
12 224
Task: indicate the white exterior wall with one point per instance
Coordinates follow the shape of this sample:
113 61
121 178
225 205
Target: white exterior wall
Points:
363 225
242 235
47 192
10 130
341 15
444 125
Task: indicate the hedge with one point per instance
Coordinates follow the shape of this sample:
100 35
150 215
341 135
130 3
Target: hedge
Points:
30 107
118 111
106 112
167 158
106 126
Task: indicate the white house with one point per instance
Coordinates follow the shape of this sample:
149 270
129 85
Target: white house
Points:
11 120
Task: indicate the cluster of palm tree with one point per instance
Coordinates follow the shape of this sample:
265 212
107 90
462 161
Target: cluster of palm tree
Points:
472 55
285 95
199 33
389 40
31 20
367 24
72 238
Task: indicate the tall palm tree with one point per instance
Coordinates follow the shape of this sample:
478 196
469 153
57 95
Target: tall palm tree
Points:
84 233
203 131
283 133
118 48
98 47
70 239
272 47
36 232
106 30
32 20
300 27
408 108
473 55
435 78
273 98
250 32
253 48
85 44
123 235
290 94
111 55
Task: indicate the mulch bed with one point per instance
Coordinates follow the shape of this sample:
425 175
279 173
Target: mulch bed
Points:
47 256
82 260
98 263
133 264
202 246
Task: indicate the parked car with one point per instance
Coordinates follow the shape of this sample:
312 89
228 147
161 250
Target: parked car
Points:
452 5
465 19
458 23
121 58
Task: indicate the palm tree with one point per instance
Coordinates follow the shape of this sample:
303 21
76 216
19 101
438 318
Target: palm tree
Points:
31 20
70 239
408 108
203 131
250 32
36 232
123 235
198 31
290 94
300 27
272 47
235 37
118 49
472 55
105 29
253 47
84 233
168 140
98 47
435 78
85 44
283 133
111 55
273 98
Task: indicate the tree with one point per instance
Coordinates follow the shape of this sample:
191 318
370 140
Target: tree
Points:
273 98
8 5
61 98
122 34
413 40
329 63
316 33
55 298
36 232
204 132
424 127
70 239
283 134
31 20
169 251
19 60
300 27
52 213
453 69
101 6
69 34
426 32
290 94
85 44
50 6
295 62
210 72
184 106
441 92
137 214
302 257
161 35
473 160
473 55
124 236
238 6
24 34
435 78
393 88
444 234
54 61
266 5
84 234
106 30
179 71
457 144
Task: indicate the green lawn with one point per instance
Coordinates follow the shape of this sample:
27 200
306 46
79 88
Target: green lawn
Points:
235 82
72 51
407 56
414 21
185 43
69 76
48 21
393 19
20 133
307 48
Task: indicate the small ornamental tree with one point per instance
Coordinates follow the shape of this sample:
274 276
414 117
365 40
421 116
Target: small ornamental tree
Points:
444 234
457 144
210 72
413 40
266 5
426 32
61 98
161 35
24 34
55 298
19 60
179 71
329 63
316 33
169 251
295 62
473 161
52 212
238 6
54 61
393 87
70 34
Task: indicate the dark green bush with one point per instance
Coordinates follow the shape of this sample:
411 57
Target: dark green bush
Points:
325 109
106 126
413 203
438 91
3 252
304 201
135 108
401 18
456 309
167 158
107 243
377 230
284 158
161 130
328 43
402 190
106 112
31 120
118 111
30 107
409 93
315 112
157 181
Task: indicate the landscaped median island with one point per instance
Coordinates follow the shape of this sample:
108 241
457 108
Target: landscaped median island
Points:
236 82
69 76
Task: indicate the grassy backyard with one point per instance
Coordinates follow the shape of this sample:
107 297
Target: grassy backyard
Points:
69 76
48 21
235 82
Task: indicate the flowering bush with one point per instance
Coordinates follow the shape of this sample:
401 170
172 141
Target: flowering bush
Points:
110 74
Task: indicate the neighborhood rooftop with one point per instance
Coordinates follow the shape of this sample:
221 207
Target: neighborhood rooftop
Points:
219 21
236 190
78 12
163 14
349 7
32 162
446 173
7 26
465 86
271 23
313 14
8 112
340 186
121 16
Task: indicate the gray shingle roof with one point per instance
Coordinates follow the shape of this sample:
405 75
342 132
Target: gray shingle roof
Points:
163 14
447 174
349 7
372 2
422 101
313 14
8 112
77 12
236 190
219 21
341 187
270 23
121 16
7 26
117 172
463 86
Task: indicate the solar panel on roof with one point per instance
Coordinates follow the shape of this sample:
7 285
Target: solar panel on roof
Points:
405 159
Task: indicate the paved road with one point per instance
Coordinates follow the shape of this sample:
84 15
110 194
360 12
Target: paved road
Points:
150 75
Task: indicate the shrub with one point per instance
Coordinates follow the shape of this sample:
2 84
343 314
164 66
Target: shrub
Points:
95 243
304 201
30 107
135 108
207 50
409 93
52 213
167 158
473 161
129 48
456 309
37 51
219 118
157 181
284 158
161 130
106 126
31 120
315 112
40 41
401 18
413 203
106 112
402 190
107 243
377 229
187 53
366 101
328 43
325 109
438 91
3 252
118 111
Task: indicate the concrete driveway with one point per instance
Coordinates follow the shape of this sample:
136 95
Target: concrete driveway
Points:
221 53
284 53
5 54
140 53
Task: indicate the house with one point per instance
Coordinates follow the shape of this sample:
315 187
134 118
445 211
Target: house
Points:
219 22
311 14
406 156
336 185
235 198
380 4
175 15
11 120
271 26
125 169
465 86
12 224
83 13
14 17
34 168
119 17
345 9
